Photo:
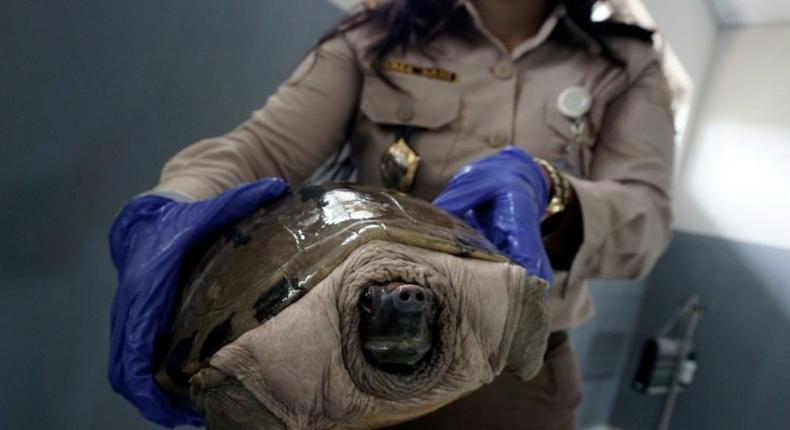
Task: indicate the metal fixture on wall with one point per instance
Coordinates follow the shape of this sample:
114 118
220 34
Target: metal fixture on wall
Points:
668 360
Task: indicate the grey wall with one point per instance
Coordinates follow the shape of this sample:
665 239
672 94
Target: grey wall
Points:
743 339
94 96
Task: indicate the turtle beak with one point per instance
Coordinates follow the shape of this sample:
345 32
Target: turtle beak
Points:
396 325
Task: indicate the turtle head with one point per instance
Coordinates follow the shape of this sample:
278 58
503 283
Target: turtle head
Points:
396 325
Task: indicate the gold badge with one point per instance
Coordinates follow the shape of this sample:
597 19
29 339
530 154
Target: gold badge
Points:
425 72
399 166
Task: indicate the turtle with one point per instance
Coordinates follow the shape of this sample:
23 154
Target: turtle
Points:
274 257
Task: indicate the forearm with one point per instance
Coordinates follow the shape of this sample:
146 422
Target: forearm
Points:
636 218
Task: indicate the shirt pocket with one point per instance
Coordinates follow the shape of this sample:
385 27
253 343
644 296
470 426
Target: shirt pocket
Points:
573 141
428 111
419 103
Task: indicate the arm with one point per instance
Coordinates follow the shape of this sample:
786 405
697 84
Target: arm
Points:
301 125
618 222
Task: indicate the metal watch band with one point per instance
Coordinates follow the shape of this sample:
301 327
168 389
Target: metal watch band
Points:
560 189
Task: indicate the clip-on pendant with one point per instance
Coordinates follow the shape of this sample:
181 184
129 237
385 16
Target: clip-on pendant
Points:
400 162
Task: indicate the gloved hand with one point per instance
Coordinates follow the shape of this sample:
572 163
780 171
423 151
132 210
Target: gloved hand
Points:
148 241
504 197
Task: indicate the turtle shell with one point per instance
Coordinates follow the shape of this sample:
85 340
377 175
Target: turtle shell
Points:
275 256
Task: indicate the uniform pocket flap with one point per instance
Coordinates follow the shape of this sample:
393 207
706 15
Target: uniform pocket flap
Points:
422 103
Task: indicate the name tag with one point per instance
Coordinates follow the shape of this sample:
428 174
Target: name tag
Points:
425 72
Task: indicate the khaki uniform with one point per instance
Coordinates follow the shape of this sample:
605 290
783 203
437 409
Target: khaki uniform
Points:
468 100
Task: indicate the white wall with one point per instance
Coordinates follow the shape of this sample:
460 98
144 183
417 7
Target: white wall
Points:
735 181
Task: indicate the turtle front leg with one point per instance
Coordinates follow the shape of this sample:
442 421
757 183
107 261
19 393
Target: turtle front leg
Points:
396 325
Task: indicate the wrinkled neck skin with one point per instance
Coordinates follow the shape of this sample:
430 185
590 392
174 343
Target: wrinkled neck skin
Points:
512 21
306 368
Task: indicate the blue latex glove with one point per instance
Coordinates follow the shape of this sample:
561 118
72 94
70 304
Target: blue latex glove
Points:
504 197
148 241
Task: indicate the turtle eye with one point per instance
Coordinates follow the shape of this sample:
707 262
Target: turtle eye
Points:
367 301
371 298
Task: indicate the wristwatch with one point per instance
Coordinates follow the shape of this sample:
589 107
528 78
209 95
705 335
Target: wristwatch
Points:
560 189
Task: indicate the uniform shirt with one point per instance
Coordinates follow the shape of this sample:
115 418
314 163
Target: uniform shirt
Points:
466 99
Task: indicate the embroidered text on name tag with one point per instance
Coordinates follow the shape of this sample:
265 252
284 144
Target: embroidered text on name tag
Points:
425 72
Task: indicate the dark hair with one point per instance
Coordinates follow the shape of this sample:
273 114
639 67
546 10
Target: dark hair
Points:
413 23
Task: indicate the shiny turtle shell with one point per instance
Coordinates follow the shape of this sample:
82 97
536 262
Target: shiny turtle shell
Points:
275 256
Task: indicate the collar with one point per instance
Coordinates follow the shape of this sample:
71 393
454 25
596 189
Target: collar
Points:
558 16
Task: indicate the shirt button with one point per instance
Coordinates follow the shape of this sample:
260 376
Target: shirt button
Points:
405 112
503 70
497 140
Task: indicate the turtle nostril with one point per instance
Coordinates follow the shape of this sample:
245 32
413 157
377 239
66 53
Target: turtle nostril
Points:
410 298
